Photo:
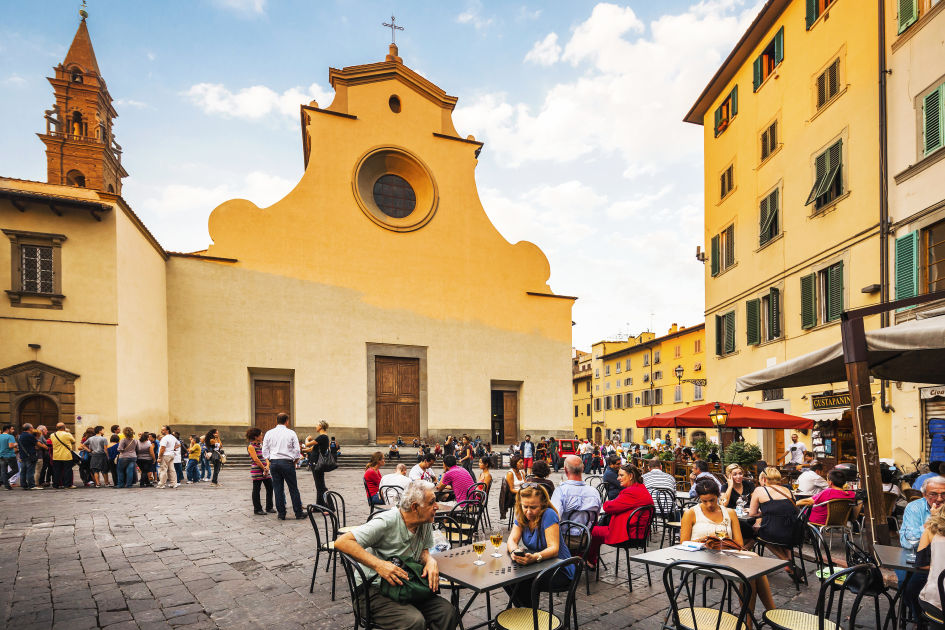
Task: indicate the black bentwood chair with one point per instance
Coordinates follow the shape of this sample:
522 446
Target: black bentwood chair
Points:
359 590
325 523
686 581
391 495
336 503
638 533
537 618
666 511
577 537
935 618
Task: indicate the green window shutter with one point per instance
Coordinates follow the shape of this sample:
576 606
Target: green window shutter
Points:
718 336
730 332
729 246
811 13
722 190
718 119
809 301
756 80
907 266
908 13
769 216
774 314
779 46
734 98
933 117
821 89
820 171
753 321
834 292
836 165
765 212
715 255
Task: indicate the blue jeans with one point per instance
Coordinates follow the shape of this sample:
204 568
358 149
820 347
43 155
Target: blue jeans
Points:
5 474
192 473
587 463
179 469
283 472
126 472
204 468
27 472
375 500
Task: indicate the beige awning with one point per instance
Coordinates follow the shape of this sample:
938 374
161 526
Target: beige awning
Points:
825 415
913 352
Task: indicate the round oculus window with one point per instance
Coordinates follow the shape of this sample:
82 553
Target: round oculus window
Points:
394 196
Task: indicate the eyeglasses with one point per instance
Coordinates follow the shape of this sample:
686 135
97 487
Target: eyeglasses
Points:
937 495
531 484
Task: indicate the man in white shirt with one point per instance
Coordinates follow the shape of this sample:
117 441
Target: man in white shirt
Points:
421 471
169 444
281 447
794 455
396 479
812 481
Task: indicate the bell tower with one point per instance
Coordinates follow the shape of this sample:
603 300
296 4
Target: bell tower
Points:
80 148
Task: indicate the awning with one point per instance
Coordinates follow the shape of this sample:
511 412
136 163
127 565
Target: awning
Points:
825 415
739 417
913 352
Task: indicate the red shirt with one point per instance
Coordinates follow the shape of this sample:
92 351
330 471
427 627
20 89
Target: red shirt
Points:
373 479
818 513
620 508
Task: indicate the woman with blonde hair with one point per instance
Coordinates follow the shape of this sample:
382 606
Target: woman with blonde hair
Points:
536 537
931 555
736 486
778 511
320 448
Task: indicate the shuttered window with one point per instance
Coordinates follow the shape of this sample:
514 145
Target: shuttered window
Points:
716 262
723 250
809 301
816 8
773 315
726 181
763 318
907 266
832 290
828 181
753 321
769 215
934 257
726 111
769 59
769 140
725 333
828 84
933 120
908 13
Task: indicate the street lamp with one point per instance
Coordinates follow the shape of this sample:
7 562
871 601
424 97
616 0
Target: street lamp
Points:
719 417
679 372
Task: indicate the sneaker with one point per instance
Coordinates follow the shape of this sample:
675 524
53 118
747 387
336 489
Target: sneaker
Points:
161 487
72 487
176 485
37 488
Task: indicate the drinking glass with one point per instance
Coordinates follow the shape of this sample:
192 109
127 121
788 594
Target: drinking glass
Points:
479 546
912 539
496 539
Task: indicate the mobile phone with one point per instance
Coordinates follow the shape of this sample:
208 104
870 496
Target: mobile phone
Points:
518 552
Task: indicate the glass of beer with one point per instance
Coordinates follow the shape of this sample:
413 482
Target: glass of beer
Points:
479 546
496 539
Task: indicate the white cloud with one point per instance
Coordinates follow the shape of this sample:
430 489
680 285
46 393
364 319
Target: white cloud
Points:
129 102
473 15
244 7
14 80
151 56
545 52
254 102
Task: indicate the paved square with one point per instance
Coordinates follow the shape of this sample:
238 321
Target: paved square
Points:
197 557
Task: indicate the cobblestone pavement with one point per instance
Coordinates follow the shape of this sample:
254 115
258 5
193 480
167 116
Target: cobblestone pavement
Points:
197 557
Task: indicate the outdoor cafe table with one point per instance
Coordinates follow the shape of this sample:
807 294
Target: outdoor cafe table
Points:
751 566
895 558
457 566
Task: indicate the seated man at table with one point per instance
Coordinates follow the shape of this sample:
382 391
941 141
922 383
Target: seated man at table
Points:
456 478
396 479
656 479
700 471
812 481
405 533
421 471
575 500
610 477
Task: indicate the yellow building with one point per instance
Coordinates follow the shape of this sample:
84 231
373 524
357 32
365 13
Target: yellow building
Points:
376 295
583 396
792 201
638 378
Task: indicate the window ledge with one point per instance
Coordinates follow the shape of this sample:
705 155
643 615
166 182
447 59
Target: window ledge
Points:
916 26
35 300
770 241
822 326
769 341
726 270
823 17
770 77
727 195
830 207
770 155
825 106
727 355
932 158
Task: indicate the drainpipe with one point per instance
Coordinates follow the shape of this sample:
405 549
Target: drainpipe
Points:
883 190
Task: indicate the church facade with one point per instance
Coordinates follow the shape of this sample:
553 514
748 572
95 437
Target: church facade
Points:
376 294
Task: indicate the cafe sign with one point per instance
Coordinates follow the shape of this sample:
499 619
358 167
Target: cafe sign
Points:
829 401
932 392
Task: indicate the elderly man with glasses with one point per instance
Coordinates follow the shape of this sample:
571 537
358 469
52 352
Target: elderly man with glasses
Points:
913 523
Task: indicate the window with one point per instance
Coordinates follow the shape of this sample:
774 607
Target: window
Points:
769 211
646 359
588 408
35 264
822 296
908 13
657 375
725 112
607 385
636 400
575 388
725 333
696 391
394 196
606 370
657 396
727 181
723 250
828 181
588 386
677 351
575 411
698 346
763 318
647 397
597 388
590 434
607 403
656 356
920 261
677 393
597 404
596 372
629 400
772 394
933 120
769 140
828 84
618 401
816 8
769 59
697 367
628 381
628 365
646 377
617 367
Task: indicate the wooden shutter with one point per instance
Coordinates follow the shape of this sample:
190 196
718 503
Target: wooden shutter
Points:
834 291
933 116
753 321
762 231
779 47
718 119
908 13
764 145
756 73
774 314
730 332
722 190
833 79
809 301
820 173
718 336
772 137
729 246
907 266
716 267
822 89
769 217
734 97
811 13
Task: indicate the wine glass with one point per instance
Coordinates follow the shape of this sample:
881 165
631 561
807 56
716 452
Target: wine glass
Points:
912 539
479 546
496 539
721 529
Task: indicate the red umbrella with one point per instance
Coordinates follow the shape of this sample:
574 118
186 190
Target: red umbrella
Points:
739 417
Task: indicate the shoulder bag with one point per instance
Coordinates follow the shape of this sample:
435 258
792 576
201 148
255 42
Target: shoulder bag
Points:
326 462
75 457
718 544
414 589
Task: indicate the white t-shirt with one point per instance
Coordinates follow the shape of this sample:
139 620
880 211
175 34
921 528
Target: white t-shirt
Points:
396 480
419 473
809 482
796 452
169 442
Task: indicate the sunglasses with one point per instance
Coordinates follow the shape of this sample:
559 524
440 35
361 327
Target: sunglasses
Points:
531 484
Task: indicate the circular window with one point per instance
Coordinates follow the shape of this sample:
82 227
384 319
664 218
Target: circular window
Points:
394 196
394 103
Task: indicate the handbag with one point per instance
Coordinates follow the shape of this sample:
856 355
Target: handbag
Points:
326 462
414 589
222 456
75 456
718 544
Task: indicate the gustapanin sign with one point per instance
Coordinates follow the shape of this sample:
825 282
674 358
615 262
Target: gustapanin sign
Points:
830 401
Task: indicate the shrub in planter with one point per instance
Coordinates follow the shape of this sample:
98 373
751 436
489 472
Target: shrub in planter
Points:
745 454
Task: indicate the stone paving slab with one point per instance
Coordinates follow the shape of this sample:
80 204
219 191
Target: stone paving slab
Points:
197 557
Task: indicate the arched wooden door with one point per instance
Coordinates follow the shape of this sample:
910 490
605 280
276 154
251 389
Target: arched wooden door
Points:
38 410
597 435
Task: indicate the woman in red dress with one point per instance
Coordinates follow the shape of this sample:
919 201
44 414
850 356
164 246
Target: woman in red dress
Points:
633 495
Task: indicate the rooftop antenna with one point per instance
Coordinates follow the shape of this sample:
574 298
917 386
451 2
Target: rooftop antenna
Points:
392 26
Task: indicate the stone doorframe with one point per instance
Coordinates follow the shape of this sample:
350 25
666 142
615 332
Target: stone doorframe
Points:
375 350
33 378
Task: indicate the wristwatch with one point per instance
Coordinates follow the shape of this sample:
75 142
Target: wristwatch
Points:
539 557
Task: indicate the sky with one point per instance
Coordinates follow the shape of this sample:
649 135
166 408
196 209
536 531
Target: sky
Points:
579 103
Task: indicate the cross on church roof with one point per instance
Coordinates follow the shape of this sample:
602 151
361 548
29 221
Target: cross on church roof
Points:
83 12
393 27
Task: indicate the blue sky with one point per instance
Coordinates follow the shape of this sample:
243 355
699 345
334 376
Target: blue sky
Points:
579 103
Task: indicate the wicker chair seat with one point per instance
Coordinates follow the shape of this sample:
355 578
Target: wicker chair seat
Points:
796 620
707 619
523 619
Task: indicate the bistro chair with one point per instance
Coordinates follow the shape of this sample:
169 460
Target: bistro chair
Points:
391 495
593 480
683 485
667 510
795 552
821 551
838 518
482 487
602 491
537 618
468 517
325 523
829 613
358 588
937 617
336 503
479 497
577 537
872 587
889 504
911 494
367 497
638 533
685 581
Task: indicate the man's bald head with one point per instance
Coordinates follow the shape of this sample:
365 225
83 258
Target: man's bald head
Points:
573 467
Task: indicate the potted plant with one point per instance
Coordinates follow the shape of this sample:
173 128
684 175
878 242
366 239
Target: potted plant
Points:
702 448
745 454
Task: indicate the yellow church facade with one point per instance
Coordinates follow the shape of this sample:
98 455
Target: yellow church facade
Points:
376 295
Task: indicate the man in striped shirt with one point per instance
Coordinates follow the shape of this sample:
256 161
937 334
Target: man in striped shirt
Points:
656 478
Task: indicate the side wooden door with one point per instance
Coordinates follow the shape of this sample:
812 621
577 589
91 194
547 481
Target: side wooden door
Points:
510 416
271 398
397 389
